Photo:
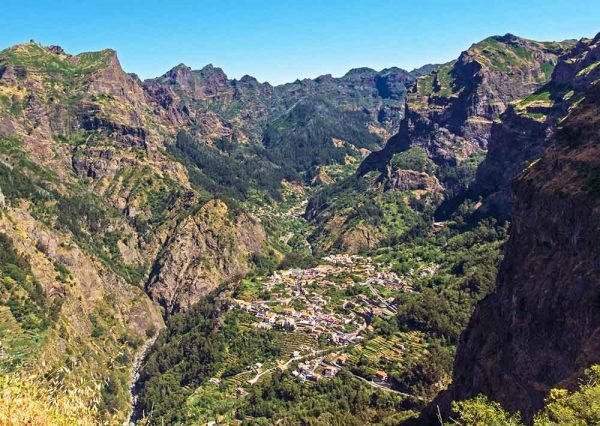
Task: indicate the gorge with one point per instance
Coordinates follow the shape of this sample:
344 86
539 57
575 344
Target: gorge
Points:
373 248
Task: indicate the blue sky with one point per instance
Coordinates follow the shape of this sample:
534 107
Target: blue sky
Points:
281 40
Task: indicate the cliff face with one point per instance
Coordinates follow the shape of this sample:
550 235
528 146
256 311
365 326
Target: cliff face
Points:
450 111
541 327
205 249
280 118
90 201
95 126
526 129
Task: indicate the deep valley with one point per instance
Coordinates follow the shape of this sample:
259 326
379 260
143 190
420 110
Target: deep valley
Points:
385 247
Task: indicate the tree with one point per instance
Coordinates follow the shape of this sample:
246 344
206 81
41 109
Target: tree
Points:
480 411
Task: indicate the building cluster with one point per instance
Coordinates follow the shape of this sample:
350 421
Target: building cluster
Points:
301 299
320 368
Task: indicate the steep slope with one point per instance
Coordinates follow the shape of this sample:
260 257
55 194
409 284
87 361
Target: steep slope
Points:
450 112
540 328
448 118
528 126
317 122
90 200
181 275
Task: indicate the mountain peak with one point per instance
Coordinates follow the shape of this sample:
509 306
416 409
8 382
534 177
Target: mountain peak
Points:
359 71
210 69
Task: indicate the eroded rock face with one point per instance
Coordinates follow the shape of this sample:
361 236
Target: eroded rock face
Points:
248 106
202 251
410 180
97 202
527 128
450 112
541 328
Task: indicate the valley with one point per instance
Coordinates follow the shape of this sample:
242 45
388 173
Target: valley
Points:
195 249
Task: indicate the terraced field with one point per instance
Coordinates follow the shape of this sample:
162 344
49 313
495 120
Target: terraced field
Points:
397 348
291 342
239 379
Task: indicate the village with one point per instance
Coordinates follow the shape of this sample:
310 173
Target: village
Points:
335 300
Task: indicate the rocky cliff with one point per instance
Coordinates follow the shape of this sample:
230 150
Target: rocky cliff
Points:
450 111
317 122
90 201
526 129
198 255
449 116
540 328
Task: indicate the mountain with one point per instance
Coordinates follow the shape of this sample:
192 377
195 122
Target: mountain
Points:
124 202
444 135
301 120
450 111
539 329
92 203
528 126
184 247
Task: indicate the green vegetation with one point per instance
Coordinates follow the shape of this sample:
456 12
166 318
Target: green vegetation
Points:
574 408
342 400
302 139
415 159
457 177
587 70
202 343
581 407
28 399
466 263
444 84
547 69
30 312
391 215
479 411
501 56
94 224
223 174
34 55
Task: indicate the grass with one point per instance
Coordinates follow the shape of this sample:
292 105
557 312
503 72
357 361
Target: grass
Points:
29 399
444 81
538 103
37 57
17 346
588 69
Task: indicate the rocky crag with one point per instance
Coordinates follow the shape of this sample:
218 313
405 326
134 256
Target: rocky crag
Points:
528 126
450 111
124 201
91 200
448 119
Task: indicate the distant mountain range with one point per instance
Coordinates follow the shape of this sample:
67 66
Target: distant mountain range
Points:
132 207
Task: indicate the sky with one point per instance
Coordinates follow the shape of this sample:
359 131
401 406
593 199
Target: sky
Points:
282 40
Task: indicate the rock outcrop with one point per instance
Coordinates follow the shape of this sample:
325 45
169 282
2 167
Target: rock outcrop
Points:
205 249
247 106
450 111
526 129
91 200
449 115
